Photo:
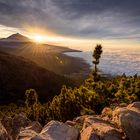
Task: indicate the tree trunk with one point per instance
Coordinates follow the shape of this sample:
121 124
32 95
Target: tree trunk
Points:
95 68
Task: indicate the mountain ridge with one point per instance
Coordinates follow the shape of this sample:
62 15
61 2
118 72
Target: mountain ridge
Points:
49 56
18 74
17 37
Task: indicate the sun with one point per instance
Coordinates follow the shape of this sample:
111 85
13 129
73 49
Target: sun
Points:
39 38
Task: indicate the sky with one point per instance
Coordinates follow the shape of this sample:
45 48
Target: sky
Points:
74 22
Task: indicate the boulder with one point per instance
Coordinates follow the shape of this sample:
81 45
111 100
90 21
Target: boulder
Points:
71 123
26 135
7 123
134 107
117 113
80 119
20 121
89 134
35 126
30 131
40 137
97 129
3 133
89 120
55 130
14 125
129 120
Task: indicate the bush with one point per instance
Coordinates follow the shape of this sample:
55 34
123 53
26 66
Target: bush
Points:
90 98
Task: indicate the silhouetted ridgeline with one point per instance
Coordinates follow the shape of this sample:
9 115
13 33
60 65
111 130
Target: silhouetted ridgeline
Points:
18 74
48 56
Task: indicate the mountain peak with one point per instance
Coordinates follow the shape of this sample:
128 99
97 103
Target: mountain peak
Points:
17 37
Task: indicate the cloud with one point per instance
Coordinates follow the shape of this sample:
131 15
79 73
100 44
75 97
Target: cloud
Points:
79 18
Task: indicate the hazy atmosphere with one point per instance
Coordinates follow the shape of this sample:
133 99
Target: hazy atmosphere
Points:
81 23
69 69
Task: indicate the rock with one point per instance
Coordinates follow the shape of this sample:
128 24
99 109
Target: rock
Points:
89 120
30 131
19 121
26 135
7 123
116 115
41 137
80 119
88 134
77 125
106 114
128 120
71 123
106 118
35 126
134 107
3 133
55 130
105 133
97 129
106 111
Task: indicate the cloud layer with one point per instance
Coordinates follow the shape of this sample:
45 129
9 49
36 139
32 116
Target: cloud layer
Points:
100 19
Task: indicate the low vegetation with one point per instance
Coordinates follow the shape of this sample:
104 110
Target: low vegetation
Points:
90 98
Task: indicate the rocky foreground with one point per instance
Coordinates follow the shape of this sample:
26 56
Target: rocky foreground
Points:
122 123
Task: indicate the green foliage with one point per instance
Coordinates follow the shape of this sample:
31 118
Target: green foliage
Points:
128 90
90 98
10 110
97 54
96 60
33 106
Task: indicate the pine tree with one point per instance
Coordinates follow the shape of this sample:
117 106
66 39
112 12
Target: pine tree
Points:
33 106
96 59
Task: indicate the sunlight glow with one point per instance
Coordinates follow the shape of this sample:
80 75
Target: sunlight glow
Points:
39 38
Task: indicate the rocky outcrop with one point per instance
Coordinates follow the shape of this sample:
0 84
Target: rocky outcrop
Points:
105 133
98 129
3 133
106 114
26 134
134 107
7 123
13 126
70 123
55 130
128 119
21 128
30 131
122 123
35 126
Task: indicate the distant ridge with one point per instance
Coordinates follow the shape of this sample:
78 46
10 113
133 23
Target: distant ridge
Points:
16 38
18 74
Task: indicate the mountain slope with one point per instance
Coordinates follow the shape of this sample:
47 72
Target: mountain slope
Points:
16 38
18 74
48 56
